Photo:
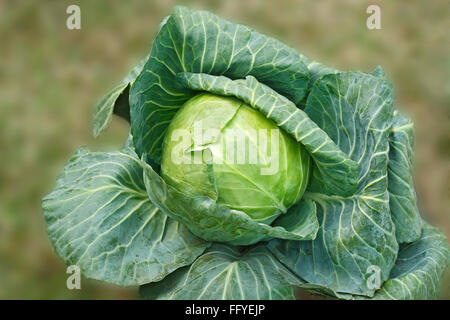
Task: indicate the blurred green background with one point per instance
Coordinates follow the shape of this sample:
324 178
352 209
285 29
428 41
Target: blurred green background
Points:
51 78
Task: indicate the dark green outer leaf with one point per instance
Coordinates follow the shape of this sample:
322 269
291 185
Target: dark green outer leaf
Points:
402 196
200 42
100 218
316 69
336 171
403 199
301 219
416 274
419 268
356 232
115 101
379 72
215 222
223 272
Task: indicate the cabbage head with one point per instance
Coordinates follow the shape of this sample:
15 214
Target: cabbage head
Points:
244 161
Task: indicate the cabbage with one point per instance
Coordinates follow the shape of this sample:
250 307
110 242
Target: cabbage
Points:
245 161
319 193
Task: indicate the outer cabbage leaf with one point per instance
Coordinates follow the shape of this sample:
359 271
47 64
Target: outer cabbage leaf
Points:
379 72
419 268
338 173
200 42
215 222
115 101
416 274
402 196
356 232
100 218
224 272
316 69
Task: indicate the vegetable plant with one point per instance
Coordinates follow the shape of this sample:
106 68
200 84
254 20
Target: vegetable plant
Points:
337 216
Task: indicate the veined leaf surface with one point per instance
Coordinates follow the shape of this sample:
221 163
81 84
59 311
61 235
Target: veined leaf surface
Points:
356 232
100 218
223 272
402 195
419 268
416 274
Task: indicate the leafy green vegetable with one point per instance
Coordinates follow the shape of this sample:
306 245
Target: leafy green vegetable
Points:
245 162
338 216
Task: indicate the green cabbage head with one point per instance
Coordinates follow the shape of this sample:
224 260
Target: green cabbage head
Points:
222 148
